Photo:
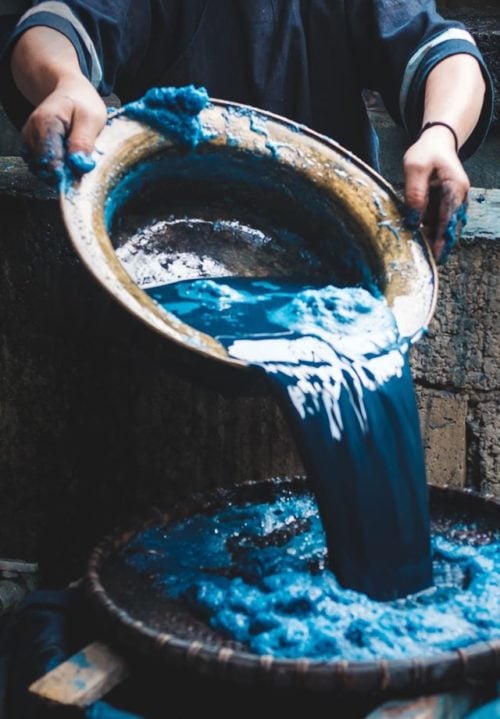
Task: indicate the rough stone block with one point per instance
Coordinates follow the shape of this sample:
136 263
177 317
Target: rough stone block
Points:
483 460
443 420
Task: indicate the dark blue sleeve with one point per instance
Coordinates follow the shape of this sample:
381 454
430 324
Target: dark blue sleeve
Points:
398 44
110 38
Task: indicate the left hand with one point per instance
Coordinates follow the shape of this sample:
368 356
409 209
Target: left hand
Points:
436 185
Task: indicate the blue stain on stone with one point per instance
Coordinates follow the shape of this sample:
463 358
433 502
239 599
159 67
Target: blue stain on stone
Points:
338 367
173 111
451 233
259 574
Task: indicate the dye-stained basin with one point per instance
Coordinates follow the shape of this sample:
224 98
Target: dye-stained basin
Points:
261 196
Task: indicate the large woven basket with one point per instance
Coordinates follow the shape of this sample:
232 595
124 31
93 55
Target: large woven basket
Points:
142 623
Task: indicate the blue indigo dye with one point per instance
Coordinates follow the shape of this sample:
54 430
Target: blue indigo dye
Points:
173 111
80 163
46 166
412 218
57 168
340 370
257 573
451 234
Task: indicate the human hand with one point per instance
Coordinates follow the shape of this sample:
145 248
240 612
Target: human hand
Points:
436 189
60 133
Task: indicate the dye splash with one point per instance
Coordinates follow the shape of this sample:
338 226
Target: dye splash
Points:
257 573
338 367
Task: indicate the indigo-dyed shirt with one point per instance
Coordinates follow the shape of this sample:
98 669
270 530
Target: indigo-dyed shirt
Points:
307 60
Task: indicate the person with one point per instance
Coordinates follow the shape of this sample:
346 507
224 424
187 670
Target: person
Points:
308 60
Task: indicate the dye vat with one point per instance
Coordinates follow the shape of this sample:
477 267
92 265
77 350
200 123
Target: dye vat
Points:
128 576
260 196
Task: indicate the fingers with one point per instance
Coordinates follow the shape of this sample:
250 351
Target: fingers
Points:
436 188
417 176
447 198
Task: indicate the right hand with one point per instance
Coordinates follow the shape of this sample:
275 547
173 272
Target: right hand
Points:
62 130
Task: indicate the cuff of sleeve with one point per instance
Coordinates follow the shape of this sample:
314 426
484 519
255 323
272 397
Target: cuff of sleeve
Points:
414 106
48 19
15 104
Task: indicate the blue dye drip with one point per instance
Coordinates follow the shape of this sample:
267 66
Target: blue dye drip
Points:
256 572
458 218
338 367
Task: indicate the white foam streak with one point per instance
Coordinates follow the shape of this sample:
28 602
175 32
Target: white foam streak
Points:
318 374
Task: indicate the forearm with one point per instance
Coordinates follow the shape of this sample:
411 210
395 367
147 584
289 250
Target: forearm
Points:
68 114
454 94
436 184
40 60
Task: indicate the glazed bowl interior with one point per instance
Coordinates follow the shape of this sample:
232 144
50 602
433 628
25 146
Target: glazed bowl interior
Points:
259 197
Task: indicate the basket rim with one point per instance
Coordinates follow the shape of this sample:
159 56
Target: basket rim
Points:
165 645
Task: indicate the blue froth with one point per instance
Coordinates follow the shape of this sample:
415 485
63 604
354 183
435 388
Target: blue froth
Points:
338 367
173 111
258 573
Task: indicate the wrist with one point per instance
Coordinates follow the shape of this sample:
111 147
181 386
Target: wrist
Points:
441 131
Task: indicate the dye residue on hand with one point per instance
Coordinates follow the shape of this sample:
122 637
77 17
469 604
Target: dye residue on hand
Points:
336 364
257 573
451 234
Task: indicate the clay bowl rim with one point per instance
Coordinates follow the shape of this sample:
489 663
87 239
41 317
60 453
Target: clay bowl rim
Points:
123 143
476 662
